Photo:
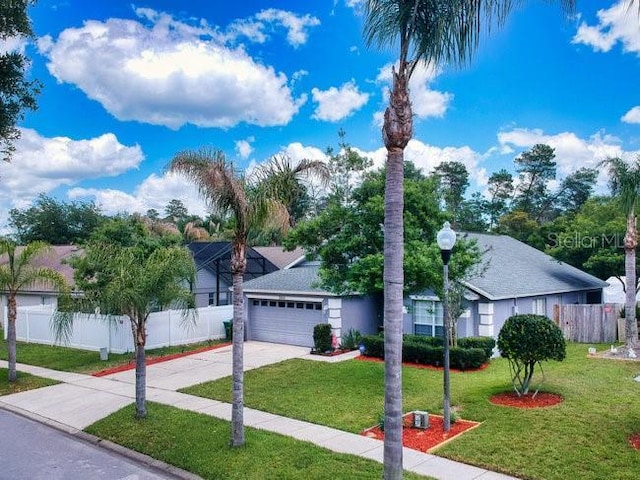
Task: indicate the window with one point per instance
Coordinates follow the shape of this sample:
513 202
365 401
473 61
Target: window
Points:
272 304
264 303
290 305
281 304
539 306
256 302
427 318
212 298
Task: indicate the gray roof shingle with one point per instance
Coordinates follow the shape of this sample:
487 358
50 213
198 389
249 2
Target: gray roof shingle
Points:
294 280
514 269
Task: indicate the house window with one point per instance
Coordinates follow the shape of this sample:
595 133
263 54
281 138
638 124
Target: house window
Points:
212 298
427 318
539 306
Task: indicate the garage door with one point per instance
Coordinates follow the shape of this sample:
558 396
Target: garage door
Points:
284 321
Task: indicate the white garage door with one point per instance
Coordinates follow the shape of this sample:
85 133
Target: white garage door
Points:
288 322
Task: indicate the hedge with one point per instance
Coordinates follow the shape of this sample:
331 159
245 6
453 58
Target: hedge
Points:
418 349
485 343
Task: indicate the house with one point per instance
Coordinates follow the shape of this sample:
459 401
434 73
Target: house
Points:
213 268
41 294
284 306
515 278
615 293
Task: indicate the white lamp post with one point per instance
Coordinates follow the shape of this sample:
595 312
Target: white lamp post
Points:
446 240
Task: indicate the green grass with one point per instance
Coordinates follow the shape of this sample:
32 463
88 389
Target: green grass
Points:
584 437
200 444
23 383
84 361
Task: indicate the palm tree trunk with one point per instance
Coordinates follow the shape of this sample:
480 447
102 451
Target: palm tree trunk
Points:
397 131
630 245
141 371
11 335
238 267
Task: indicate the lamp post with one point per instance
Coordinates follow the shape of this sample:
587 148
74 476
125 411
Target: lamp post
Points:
446 240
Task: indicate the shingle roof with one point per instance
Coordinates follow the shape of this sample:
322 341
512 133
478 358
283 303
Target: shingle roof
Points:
56 260
293 280
280 257
514 269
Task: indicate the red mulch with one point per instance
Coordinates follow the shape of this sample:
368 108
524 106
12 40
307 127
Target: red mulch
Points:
634 440
427 439
420 365
511 399
150 361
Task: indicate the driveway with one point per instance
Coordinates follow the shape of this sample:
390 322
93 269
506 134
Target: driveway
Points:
82 399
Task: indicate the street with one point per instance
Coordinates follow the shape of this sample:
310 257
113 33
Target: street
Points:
33 451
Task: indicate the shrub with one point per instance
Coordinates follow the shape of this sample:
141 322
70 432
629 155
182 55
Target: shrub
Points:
351 339
322 337
485 343
526 341
423 339
373 345
466 358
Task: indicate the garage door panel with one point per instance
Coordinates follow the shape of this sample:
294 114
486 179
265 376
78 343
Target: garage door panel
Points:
281 324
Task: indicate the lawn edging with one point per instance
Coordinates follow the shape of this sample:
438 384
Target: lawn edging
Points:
151 361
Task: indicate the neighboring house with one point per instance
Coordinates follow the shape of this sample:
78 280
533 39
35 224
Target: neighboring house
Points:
284 306
614 293
40 294
213 266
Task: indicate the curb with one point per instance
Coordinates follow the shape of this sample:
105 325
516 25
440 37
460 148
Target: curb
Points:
150 462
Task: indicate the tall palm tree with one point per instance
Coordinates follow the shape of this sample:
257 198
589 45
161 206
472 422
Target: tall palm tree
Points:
130 281
624 180
17 272
228 191
427 32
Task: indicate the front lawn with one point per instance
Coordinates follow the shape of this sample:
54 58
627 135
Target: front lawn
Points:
200 444
25 382
84 361
584 437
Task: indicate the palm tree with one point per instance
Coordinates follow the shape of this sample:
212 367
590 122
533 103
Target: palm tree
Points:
283 181
17 272
228 191
427 32
625 185
130 281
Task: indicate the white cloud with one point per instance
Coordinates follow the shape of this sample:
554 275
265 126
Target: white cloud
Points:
336 104
572 152
154 192
244 148
165 72
296 25
615 24
42 164
296 152
632 116
425 102
12 44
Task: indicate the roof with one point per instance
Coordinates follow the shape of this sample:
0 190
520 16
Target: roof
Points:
216 257
297 280
280 257
514 269
55 259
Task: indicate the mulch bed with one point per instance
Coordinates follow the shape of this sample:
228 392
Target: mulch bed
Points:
420 365
511 399
333 353
425 440
151 361
634 440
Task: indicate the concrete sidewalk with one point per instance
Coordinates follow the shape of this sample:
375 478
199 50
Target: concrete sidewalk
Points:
82 400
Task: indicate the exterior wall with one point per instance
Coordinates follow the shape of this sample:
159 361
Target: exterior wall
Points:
359 313
466 327
32 300
205 284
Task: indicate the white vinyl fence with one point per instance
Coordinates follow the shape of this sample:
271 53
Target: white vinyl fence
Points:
94 332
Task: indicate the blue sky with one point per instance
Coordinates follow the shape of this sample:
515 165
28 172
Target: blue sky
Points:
126 86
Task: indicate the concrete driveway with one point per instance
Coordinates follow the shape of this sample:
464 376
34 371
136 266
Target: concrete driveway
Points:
82 399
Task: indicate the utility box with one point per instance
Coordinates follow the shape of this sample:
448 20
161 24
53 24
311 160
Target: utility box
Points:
104 354
421 420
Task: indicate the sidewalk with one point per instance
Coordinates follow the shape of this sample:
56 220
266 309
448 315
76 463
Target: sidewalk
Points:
82 400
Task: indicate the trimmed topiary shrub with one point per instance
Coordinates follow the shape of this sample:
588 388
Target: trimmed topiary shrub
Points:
526 341
322 338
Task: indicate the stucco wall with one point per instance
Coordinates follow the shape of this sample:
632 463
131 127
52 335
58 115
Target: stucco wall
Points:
359 313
